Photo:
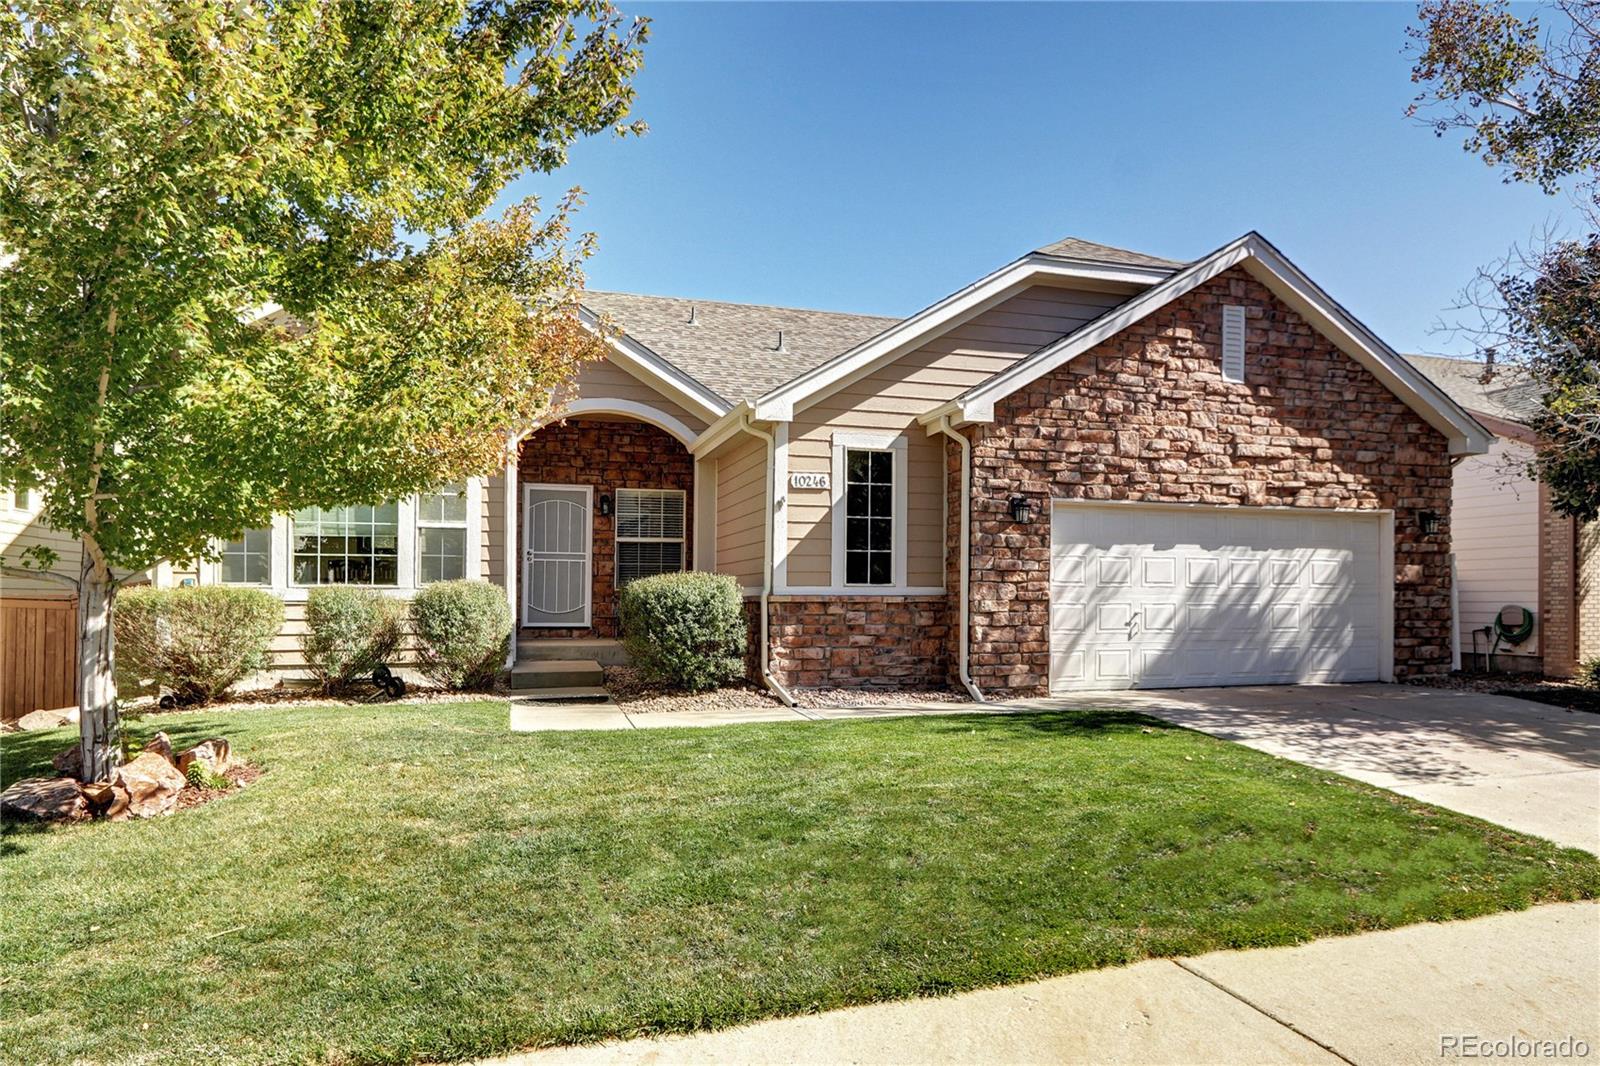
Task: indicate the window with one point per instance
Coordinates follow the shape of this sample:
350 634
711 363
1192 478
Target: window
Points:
246 561
649 533
869 517
347 545
442 535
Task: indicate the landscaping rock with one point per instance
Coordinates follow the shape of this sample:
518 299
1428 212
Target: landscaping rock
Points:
152 784
46 799
106 799
50 719
214 754
69 761
161 745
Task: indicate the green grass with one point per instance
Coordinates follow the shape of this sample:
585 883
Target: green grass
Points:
414 882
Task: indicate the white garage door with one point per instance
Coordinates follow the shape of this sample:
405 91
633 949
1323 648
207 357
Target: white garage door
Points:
1148 596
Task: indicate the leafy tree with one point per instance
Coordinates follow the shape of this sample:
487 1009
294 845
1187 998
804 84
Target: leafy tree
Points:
248 271
1527 93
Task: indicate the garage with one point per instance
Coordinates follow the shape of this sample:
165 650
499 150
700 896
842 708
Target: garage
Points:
1166 596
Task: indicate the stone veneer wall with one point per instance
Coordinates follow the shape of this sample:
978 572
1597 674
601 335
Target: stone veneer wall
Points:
1147 416
859 641
607 455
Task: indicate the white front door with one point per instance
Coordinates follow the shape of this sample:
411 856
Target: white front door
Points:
1146 596
557 544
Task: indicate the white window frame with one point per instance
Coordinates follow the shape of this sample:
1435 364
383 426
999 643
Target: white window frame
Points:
221 544
280 565
617 539
465 525
896 444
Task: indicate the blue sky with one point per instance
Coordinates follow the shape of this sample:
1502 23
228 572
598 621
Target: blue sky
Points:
875 157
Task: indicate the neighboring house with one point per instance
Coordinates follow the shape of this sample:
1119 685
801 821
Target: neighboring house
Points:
1510 548
1090 468
38 615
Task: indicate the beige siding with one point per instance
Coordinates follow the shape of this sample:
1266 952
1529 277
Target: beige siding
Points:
21 529
606 380
493 556
891 398
1494 526
741 467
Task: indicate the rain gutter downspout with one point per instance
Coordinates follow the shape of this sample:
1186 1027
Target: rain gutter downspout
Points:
746 424
964 624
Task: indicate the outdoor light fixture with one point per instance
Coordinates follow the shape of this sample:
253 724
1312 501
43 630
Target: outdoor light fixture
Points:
605 505
1430 521
1021 510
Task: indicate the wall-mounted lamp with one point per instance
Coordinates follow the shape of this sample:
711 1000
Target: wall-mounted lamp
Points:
1021 510
605 504
1430 521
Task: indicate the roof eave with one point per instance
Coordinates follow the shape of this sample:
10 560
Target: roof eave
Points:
1464 433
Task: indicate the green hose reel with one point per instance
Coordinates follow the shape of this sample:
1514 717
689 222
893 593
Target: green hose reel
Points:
1513 625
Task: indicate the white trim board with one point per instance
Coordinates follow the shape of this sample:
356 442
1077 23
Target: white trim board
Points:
1289 284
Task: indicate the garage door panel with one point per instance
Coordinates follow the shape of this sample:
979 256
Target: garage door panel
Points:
1155 597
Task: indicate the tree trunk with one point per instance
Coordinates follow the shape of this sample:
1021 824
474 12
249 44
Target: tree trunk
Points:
99 726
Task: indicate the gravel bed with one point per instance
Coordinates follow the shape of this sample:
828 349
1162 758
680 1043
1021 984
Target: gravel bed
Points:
869 697
1536 687
637 696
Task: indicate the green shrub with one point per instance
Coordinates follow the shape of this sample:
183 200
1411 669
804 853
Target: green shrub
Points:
202 776
1588 673
462 628
685 630
194 642
349 631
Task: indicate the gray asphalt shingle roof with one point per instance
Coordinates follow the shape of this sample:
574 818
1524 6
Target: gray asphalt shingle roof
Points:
1090 252
733 349
1508 394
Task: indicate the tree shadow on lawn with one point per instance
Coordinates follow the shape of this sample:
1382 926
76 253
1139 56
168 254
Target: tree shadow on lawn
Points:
1089 723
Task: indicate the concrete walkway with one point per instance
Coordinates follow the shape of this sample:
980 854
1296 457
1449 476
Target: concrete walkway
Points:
1388 997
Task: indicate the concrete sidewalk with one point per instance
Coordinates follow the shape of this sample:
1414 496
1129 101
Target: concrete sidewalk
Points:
1389 997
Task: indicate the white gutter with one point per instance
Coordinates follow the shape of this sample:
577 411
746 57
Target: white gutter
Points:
964 624
745 424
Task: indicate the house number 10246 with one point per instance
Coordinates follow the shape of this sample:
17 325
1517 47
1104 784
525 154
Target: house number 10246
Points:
801 480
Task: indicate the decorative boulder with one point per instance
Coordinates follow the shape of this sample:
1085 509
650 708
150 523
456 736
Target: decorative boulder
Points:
69 762
161 744
105 799
152 784
48 799
51 719
214 754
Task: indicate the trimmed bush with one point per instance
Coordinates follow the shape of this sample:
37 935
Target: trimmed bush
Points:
1588 673
194 642
685 630
462 628
349 632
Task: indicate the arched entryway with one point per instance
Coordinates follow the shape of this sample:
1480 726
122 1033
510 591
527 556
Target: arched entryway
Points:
602 498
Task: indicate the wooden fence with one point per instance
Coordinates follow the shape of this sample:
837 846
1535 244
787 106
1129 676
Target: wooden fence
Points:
38 658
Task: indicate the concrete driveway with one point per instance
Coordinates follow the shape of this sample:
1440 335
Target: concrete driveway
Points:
1521 764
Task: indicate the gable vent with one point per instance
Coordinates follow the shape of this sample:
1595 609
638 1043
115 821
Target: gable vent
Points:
1233 344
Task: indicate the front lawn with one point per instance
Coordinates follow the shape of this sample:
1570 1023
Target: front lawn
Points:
414 882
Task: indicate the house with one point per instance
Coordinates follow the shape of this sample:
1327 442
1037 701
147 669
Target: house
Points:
1510 548
1088 468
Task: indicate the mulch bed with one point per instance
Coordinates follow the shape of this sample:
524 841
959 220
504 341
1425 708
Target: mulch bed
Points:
239 776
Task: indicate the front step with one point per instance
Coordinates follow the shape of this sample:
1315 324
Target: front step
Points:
605 652
539 674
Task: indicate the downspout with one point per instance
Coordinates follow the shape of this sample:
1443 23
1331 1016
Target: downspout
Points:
747 425
964 624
